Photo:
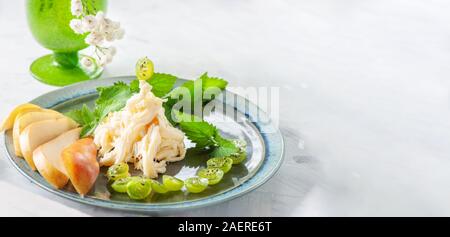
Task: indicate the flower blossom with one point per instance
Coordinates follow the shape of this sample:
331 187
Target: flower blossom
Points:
89 23
76 26
76 7
100 32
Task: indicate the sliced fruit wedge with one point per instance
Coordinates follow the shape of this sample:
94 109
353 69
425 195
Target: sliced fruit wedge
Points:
25 119
48 171
80 162
48 158
42 132
9 121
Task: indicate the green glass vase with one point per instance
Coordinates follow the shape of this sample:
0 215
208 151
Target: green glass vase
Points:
49 23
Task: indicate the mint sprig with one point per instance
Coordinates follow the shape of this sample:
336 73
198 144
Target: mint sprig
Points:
201 91
205 135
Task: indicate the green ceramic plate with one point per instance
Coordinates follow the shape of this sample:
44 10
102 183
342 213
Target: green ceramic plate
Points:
265 154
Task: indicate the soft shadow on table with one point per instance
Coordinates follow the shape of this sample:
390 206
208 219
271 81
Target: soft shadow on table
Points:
299 174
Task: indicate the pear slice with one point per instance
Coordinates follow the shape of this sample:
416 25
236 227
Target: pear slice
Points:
25 119
9 121
48 158
41 132
48 171
80 162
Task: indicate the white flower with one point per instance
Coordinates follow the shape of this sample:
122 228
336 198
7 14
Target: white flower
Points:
87 62
104 28
100 29
109 35
76 26
89 23
76 7
75 2
100 17
107 23
94 38
119 33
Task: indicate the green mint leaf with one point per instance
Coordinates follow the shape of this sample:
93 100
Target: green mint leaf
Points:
162 83
86 118
184 117
88 129
76 115
134 86
82 116
202 134
168 113
212 82
205 136
224 148
111 99
210 87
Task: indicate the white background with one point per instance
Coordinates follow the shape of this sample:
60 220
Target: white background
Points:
364 96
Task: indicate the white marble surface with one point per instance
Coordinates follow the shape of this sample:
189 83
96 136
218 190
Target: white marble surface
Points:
364 96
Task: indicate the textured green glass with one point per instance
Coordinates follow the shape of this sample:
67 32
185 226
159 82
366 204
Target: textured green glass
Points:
49 23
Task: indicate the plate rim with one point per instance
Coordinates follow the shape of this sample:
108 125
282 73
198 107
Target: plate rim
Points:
186 205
